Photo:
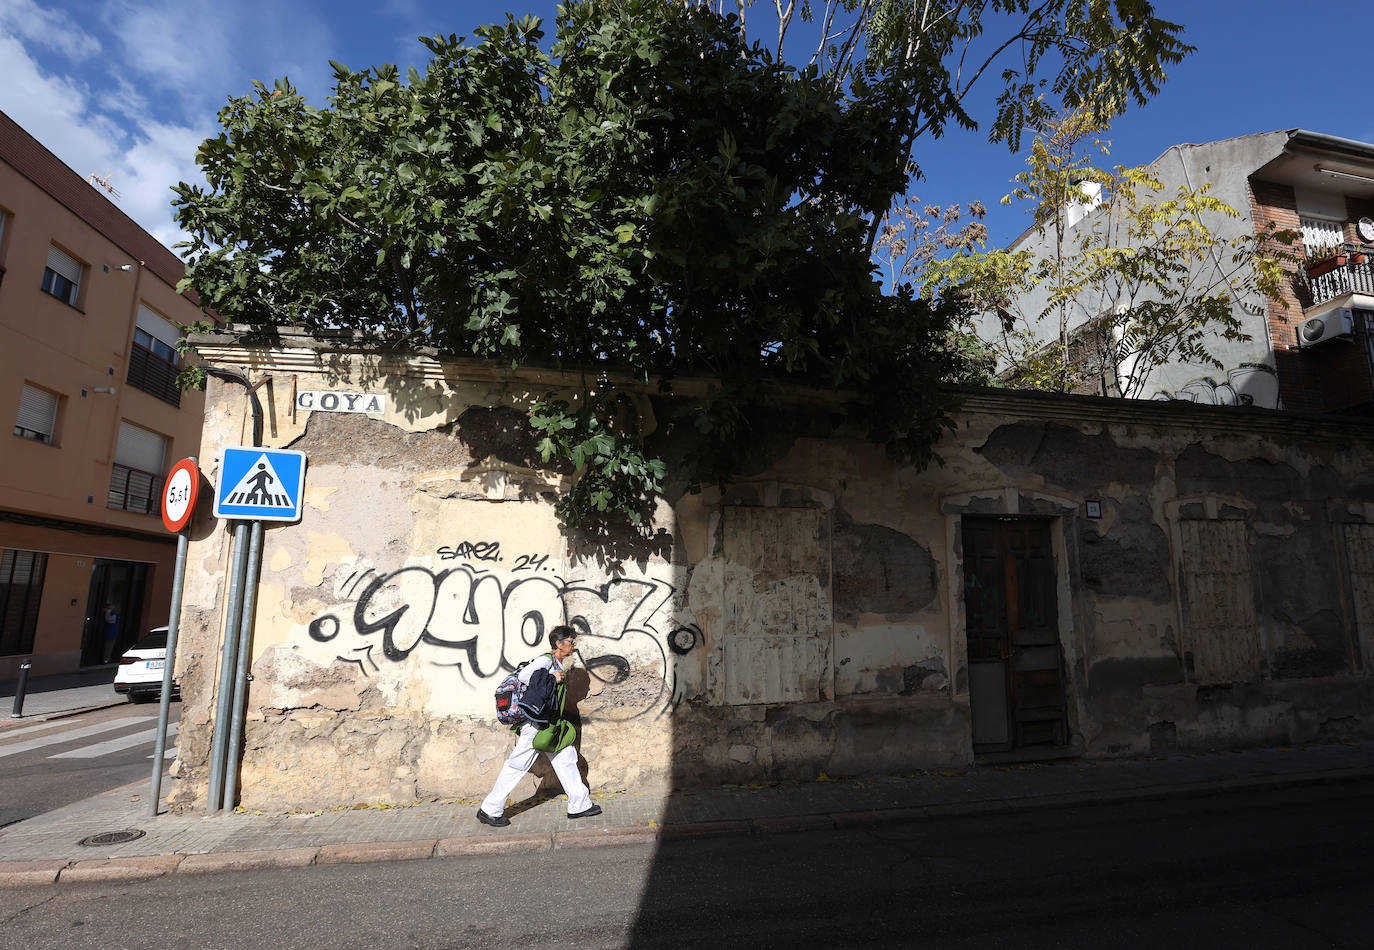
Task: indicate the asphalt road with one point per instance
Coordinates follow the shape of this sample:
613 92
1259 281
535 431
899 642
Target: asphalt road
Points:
65 760
1289 870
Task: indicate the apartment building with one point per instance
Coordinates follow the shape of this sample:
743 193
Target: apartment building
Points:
1311 349
1323 339
89 317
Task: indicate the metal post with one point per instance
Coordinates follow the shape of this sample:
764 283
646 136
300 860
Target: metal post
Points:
234 752
17 711
228 655
173 623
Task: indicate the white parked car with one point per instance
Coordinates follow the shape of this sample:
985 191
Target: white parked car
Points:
140 669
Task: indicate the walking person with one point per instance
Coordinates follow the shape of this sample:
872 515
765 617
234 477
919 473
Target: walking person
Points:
109 631
562 642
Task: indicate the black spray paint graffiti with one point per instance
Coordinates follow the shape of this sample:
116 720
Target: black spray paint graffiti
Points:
496 624
1251 384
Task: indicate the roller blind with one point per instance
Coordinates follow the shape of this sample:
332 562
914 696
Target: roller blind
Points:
64 264
37 411
157 326
140 449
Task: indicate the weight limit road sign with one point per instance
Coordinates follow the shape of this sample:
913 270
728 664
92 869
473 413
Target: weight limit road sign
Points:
179 495
257 484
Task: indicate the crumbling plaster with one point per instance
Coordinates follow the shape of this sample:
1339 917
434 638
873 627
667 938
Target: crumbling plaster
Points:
429 561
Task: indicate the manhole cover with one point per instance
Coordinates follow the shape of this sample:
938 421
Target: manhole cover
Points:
113 837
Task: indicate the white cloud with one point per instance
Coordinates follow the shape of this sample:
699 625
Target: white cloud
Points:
230 44
142 157
47 28
133 89
165 156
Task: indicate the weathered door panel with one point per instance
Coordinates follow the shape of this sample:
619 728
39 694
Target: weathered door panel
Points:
777 634
1219 602
1015 658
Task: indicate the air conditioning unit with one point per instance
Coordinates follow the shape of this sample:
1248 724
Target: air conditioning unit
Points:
1332 325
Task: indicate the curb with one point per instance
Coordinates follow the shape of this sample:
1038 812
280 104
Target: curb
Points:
38 873
67 713
59 714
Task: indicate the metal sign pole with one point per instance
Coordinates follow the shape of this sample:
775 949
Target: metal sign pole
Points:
173 622
234 752
227 663
179 496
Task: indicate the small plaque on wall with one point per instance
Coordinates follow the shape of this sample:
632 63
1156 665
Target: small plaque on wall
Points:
1093 509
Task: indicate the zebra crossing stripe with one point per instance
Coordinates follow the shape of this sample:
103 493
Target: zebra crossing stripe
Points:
270 500
114 745
61 737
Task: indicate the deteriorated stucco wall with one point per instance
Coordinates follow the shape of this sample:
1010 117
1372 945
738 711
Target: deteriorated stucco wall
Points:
801 622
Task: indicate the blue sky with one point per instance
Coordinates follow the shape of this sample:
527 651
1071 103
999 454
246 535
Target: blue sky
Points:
129 88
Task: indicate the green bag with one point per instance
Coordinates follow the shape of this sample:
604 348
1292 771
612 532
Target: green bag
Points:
558 734
555 737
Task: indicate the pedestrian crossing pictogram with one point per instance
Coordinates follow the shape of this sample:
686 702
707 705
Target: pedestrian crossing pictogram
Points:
256 488
259 484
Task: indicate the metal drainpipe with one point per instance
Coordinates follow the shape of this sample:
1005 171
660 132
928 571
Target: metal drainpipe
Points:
233 659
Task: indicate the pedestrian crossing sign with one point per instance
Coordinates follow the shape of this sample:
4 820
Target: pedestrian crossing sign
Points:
257 484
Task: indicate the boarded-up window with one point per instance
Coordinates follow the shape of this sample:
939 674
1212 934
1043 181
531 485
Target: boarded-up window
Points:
777 630
1219 619
1359 549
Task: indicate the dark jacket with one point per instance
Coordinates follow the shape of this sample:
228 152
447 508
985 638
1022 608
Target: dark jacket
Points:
538 702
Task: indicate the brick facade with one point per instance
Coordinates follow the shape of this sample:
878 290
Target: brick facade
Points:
1334 377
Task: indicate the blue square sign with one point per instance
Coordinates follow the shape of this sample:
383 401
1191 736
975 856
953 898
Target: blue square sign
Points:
257 484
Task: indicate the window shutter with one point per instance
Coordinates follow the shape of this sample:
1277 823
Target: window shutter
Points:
64 264
37 410
140 449
157 326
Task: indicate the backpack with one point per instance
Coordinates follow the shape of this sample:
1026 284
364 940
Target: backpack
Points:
508 711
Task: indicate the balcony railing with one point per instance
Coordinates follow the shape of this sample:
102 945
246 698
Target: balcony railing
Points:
1354 275
154 375
132 489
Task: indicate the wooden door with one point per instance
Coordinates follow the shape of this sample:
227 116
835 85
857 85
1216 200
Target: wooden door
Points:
1016 663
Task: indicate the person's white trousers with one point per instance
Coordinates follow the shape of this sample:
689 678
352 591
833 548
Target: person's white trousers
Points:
520 761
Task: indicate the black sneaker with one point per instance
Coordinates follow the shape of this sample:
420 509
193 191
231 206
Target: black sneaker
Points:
587 813
500 821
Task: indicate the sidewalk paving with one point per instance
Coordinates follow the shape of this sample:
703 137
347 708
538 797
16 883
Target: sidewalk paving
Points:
91 688
46 848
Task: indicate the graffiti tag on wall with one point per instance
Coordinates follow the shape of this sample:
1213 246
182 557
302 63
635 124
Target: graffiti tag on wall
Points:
485 623
1252 384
